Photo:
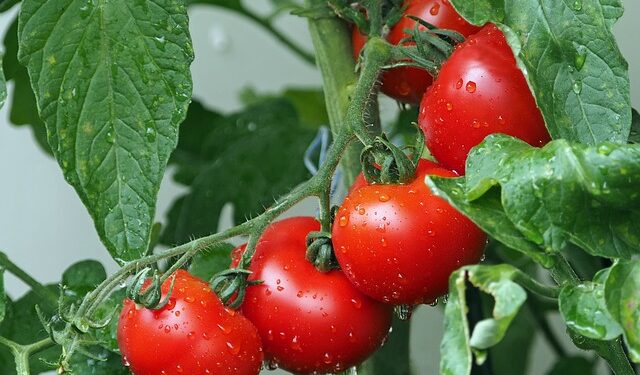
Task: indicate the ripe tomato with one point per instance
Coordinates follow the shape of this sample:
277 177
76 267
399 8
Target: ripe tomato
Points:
309 321
399 243
193 334
408 84
479 91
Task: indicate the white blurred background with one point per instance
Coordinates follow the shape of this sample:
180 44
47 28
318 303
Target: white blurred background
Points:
44 227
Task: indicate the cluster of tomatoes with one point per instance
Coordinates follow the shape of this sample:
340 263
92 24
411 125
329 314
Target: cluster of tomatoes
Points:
396 244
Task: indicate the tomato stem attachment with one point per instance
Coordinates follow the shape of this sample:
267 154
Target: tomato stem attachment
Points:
320 251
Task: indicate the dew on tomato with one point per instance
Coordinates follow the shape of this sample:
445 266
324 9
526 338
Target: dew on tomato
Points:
316 322
192 334
408 84
405 246
485 93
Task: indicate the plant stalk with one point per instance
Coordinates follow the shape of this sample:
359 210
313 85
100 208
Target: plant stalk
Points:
45 294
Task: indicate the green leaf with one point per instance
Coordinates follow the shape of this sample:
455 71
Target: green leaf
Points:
488 214
584 310
5 5
82 277
23 109
308 102
393 357
562 193
206 263
110 364
572 366
249 159
110 308
622 295
112 89
457 344
21 325
511 355
572 62
235 5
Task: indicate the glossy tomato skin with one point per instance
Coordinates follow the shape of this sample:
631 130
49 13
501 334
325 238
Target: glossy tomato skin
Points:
309 321
399 243
193 334
479 91
408 84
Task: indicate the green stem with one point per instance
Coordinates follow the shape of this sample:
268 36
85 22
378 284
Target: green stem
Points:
332 43
613 353
21 353
536 287
268 26
45 294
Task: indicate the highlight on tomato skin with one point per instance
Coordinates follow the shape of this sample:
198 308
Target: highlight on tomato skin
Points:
309 321
399 243
479 91
408 84
194 333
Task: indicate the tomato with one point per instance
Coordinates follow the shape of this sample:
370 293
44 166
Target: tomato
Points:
408 84
310 322
479 91
399 243
193 334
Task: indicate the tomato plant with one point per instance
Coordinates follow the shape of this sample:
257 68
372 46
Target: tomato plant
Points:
530 119
192 334
310 322
479 91
399 243
408 84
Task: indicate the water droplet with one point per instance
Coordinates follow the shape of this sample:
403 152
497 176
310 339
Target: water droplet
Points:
343 221
280 288
435 9
299 294
326 358
501 120
191 335
577 5
295 344
383 197
233 349
225 330
577 87
471 87
383 242
160 42
459 83
361 211
581 57
433 303
189 299
270 365
403 312
449 106
167 329
111 138
150 134
475 124
356 302
179 369
205 336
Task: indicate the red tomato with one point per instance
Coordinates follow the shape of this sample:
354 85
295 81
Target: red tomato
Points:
479 91
408 84
193 334
309 321
399 243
